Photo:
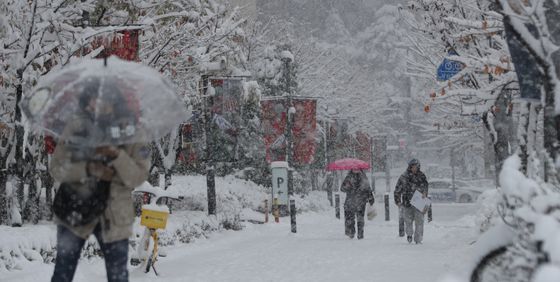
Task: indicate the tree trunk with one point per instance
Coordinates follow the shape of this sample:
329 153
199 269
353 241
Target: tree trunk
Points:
19 168
523 136
551 123
503 127
3 199
489 155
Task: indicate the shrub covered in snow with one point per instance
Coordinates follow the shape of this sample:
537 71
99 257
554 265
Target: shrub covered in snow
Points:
487 212
529 208
238 201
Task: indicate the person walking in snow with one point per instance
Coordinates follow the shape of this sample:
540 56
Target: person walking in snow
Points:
94 196
410 181
358 194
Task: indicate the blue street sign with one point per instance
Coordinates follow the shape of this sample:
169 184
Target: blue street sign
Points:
448 68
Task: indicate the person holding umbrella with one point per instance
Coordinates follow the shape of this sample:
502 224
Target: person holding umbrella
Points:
358 194
103 115
102 178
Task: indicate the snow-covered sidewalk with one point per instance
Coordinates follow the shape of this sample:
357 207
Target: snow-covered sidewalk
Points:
318 252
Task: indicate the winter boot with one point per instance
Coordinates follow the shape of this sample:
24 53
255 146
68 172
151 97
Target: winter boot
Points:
409 239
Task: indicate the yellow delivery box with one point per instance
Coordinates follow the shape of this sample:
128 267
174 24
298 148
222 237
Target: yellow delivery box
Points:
154 217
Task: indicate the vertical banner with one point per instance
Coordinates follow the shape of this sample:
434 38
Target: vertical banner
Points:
340 141
124 44
362 147
379 153
188 150
304 130
226 117
274 119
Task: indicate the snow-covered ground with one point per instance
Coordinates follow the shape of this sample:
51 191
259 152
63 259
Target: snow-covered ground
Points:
318 252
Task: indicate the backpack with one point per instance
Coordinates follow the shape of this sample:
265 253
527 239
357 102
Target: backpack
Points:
79 207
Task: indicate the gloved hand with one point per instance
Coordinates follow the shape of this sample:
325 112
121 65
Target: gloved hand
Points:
371 201
100 171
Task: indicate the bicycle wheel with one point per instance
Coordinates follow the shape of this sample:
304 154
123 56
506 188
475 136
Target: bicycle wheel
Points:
149 264
492 267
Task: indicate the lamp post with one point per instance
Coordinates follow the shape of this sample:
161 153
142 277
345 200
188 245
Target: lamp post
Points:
210 173
287 58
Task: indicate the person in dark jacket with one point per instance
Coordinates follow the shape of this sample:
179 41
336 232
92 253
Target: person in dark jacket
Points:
410 181
358 193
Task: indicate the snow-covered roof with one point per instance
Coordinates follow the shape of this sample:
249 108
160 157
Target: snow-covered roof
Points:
278 164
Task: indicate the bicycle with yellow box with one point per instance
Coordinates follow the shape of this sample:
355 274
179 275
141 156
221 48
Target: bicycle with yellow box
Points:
153 217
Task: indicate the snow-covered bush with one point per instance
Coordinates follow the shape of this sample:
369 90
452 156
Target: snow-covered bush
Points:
487 213
530 208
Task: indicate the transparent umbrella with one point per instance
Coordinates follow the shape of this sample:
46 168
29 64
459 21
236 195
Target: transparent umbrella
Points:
97 102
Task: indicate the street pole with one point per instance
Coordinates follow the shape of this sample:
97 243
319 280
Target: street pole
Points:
371 161
210 173
289 156
293 215
387 181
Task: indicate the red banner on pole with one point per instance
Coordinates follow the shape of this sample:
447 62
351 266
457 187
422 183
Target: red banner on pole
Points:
379 154
274 119
226 117
124 44
304 130
363 147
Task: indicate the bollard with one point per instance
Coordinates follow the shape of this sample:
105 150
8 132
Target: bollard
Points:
265 211
401 221
430 215
337 205
293 215
329 196
386 199
276 210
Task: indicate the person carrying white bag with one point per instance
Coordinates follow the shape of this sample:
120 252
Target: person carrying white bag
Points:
412 181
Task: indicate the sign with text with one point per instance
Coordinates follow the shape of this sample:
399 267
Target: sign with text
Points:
280 182
448 68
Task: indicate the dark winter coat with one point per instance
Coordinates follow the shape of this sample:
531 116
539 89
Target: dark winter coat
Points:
407 184
358 191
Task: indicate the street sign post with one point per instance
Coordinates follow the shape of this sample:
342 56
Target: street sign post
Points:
280 183
448 68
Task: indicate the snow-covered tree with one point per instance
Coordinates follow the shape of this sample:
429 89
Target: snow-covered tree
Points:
37 36
468 34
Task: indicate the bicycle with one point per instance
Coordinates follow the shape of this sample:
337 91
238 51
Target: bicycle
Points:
153 217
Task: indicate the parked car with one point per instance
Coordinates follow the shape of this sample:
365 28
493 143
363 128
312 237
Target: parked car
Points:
442 190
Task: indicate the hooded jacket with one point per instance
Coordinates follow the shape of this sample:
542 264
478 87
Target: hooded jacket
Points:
358 191
408 183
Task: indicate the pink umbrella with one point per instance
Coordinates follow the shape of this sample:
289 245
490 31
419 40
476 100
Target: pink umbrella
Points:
347 164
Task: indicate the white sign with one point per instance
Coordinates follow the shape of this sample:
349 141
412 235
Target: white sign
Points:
421 204
280 184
